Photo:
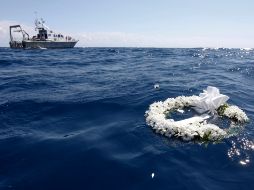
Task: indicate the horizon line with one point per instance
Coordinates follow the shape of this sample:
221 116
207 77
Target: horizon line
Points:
150 47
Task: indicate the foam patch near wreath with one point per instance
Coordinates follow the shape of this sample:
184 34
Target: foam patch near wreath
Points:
207 104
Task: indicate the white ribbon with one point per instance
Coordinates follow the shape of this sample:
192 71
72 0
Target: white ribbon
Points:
210 100
195 119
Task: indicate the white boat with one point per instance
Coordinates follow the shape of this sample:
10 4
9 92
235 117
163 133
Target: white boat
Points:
45 38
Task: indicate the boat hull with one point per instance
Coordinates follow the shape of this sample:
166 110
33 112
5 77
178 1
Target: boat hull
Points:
44 45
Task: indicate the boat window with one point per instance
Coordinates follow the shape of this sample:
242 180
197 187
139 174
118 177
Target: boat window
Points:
58 35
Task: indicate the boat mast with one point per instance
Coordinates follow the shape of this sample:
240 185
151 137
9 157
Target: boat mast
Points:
39 23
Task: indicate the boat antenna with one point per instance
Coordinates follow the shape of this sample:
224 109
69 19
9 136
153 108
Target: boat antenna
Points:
39 22
36 22
36 14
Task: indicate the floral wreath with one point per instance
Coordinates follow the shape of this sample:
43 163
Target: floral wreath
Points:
208 103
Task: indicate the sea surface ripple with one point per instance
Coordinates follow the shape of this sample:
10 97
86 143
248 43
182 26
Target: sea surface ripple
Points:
74 119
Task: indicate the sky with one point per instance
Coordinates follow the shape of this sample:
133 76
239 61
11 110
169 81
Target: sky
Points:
138 23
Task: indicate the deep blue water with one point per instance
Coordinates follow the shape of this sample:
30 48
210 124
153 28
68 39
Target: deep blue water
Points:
74 119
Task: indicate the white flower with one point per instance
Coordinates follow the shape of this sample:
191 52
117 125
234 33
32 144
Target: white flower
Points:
236 113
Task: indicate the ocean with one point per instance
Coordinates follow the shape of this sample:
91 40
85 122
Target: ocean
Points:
74 119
